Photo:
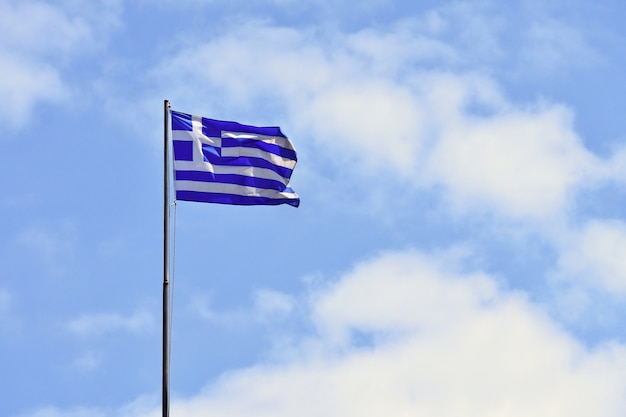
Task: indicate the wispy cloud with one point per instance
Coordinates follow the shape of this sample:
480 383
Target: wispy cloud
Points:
201 305
269 302
87 361
74 412
8 319
32 32
5 301
552 45
54 246
88 325
267 306
38 40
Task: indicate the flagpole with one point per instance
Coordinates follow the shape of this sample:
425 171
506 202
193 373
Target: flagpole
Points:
166 263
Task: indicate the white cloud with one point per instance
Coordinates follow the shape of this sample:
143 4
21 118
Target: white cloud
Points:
25 83
443 344
446 345
375 102
357 115
521 164
38 40
34 34
595 256
88 325
397 293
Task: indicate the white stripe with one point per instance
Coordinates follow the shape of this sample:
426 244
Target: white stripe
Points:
196 135
213 187
274 140
228 169
258 153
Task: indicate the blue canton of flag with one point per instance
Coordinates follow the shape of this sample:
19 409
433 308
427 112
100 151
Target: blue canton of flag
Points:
230 163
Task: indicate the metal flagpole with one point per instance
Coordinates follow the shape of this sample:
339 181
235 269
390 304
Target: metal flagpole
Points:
166 263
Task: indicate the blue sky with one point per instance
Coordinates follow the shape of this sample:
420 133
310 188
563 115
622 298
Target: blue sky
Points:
460 248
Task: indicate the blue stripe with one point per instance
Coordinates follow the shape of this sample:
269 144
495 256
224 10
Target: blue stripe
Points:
242 161
183 150
203 176
234 199
181 121
257 144
214 151
214 128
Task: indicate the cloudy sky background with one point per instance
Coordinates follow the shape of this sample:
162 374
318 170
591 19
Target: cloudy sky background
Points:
460 248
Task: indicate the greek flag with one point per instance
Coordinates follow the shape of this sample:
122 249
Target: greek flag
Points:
231 163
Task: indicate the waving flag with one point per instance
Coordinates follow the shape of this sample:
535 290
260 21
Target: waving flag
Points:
231 163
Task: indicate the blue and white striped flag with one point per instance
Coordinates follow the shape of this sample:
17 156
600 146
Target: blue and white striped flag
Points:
230 163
